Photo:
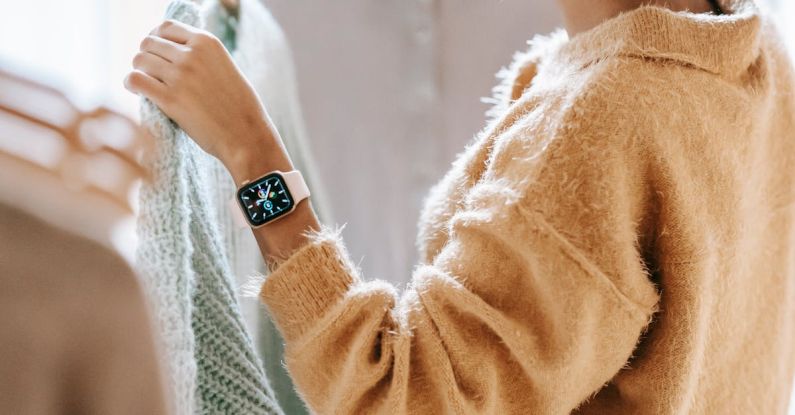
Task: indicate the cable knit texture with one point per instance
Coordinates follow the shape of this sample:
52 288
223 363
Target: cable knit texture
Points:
618 240
213 366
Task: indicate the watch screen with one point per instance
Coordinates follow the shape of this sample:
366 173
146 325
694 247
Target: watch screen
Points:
265 199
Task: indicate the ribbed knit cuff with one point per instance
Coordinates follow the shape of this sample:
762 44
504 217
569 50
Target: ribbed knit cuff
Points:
305 286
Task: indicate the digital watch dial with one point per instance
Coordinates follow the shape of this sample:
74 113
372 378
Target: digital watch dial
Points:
266 199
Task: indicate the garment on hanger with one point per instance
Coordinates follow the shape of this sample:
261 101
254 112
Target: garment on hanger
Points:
75 334
212 362
259 48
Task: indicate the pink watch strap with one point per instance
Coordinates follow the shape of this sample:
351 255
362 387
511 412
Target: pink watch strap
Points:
296 185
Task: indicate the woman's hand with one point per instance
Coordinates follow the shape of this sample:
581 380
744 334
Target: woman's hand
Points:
188 73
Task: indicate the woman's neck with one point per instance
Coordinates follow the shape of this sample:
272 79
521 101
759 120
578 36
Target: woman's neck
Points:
581 15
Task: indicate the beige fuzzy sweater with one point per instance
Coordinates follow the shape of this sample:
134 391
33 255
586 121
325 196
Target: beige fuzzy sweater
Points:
620 239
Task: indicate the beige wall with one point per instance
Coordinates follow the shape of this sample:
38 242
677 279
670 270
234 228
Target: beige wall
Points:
391 92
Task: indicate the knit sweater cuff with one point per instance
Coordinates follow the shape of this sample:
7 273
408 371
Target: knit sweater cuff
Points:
306 285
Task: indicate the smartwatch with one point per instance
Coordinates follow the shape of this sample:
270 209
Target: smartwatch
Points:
271 196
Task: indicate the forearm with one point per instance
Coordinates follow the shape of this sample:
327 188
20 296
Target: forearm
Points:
481 329
258 154
182 69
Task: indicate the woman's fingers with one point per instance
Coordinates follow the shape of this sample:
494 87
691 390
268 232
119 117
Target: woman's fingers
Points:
164 48
189 74
152 65
174 31
139 82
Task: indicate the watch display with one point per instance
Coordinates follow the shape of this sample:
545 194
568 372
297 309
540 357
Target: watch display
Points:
265 199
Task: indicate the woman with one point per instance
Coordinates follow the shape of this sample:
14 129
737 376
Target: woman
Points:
618 240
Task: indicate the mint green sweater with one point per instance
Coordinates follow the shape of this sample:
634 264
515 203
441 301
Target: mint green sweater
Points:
209 355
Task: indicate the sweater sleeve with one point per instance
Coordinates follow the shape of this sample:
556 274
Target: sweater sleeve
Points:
529 307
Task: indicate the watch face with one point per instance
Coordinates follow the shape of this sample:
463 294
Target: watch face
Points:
265 199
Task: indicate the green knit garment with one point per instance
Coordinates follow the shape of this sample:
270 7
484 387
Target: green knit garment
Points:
210 357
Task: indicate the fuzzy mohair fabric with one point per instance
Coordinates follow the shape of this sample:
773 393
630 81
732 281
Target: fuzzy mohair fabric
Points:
618 240
212 365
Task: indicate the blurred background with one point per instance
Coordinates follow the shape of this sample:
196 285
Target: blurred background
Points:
390 90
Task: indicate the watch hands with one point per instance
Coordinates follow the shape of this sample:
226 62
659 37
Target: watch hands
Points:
265 198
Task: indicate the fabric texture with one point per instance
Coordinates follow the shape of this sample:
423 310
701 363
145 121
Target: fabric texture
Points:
619 239
211 357
259 48
75 333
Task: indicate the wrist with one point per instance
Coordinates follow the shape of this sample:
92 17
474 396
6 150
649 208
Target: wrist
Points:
280 239
254 156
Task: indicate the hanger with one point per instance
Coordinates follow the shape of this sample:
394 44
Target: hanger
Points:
48 107
99 149
231 6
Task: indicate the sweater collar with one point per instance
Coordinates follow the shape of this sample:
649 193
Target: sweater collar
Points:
725 45
721 44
